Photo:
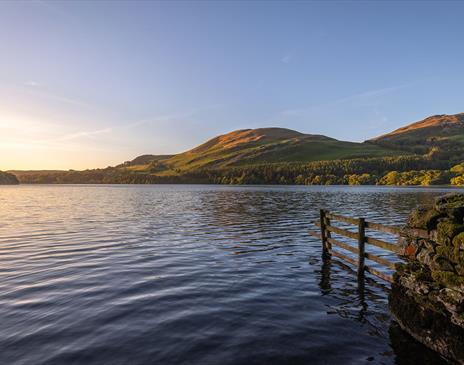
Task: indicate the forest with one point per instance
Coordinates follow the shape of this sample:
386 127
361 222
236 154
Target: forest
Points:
402 170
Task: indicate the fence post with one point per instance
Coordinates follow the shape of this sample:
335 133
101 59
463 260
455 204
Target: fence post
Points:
327 234
325 251
361 246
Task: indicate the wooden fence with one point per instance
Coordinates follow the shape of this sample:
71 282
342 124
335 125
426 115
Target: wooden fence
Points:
362 239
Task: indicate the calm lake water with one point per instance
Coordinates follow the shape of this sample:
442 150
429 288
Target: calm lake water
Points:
191 275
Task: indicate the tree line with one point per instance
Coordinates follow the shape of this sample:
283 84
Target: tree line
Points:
403 170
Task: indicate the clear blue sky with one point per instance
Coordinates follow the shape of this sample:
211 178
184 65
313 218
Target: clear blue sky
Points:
90 84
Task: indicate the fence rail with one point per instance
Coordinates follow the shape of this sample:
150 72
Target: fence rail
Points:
326 229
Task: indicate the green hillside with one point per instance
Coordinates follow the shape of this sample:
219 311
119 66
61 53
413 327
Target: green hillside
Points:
266 145
428 152
439 134
144 159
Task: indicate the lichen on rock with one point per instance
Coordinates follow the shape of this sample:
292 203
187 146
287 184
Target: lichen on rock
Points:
424 217
427 297
447 230
458 241
452 205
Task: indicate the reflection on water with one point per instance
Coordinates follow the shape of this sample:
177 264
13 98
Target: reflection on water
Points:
191 275
358 301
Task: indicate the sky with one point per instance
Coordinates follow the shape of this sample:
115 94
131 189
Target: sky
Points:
93 84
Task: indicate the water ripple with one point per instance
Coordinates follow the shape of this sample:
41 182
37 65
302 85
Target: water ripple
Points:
190 275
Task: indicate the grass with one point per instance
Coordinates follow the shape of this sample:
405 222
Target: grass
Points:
306 148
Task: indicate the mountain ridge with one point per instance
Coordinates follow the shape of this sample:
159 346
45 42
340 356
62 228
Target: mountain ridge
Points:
267 145
281 155
440 120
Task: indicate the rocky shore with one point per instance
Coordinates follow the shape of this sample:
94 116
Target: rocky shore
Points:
427 296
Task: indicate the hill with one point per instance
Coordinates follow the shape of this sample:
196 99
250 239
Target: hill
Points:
265 145
144 159
8 179
428 152
436 134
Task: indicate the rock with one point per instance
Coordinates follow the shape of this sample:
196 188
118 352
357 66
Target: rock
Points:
458 241
427 296
424 217
447 230
447 279
433 235
450 253
452 299
413 285
403 241
425 257
441 263
458 319
452 205
427 324
460 289
430 245
448 200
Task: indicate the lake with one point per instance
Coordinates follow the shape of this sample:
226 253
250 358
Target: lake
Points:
185 274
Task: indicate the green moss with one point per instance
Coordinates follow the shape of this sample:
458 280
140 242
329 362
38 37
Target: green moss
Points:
458 241
405 268
451 205
449 201
441 263
447 230
424 218
449 252
447 278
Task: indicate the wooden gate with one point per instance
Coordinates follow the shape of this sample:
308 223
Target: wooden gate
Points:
328 243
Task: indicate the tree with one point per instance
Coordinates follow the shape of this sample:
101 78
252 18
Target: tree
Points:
458 181
458 169
391 178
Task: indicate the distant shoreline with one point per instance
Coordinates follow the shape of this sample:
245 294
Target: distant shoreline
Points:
454 187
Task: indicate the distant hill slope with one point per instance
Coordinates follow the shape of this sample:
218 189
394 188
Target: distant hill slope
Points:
8 179
422 152
440 131
269 145
144 159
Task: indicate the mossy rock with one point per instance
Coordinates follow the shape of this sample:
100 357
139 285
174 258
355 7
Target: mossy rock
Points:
461 259
424 217
447 230
458 241
400 267
425 256
460 270
452 205
423 275
448 279
406 268
449 200
450 252
441 263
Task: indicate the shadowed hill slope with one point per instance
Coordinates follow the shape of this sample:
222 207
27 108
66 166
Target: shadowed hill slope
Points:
8 179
